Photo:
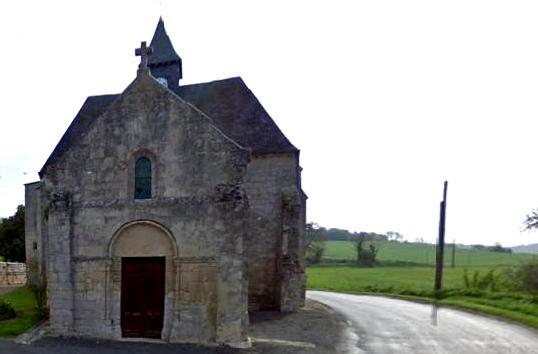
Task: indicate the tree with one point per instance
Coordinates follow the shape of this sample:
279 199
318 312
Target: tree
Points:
12 237
367 246
315 242
499 248
334 234
531 221
394 236
527 275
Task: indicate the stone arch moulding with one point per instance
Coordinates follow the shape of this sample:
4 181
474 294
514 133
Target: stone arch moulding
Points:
134 223
141 238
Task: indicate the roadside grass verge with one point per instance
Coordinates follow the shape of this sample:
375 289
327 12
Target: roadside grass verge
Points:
416 283
524 313
23 301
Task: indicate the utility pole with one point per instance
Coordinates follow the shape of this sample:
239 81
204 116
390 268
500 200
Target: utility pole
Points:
440 244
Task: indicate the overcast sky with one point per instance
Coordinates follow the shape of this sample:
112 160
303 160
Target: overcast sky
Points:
385 99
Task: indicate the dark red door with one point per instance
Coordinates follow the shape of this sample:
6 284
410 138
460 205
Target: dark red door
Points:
142 296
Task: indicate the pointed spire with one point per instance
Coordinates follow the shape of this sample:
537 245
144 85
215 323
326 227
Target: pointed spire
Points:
164 63
163 50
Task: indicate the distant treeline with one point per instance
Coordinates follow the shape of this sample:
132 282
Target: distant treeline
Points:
496 248
344 235
335 234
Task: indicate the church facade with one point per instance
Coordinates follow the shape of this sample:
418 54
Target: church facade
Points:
168 211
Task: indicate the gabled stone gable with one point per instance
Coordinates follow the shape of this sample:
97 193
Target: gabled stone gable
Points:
149 118
199 206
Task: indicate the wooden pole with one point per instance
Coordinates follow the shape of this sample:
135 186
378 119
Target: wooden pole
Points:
440 244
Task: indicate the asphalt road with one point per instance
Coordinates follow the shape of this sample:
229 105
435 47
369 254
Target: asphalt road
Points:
381 325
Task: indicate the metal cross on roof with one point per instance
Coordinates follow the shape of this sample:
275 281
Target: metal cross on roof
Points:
143 52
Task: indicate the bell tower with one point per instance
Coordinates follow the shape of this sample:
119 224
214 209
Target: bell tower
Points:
164 63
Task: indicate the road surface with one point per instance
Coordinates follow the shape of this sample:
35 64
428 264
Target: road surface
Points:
380 325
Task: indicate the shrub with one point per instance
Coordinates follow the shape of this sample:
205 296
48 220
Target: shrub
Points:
488 282
38 286
6 310
366 247
315 243
314 253
40 293
527 275
367 256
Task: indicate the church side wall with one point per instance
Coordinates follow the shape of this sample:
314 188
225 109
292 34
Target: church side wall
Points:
31 220
269 178
59 265
35 233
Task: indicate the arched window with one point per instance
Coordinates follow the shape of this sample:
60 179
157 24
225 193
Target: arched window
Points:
142 178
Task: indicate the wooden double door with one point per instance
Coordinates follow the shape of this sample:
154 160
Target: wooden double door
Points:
142 296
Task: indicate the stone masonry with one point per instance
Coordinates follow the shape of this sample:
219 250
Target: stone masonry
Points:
226 212
12 273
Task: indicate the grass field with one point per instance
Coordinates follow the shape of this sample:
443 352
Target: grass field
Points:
406 269
23 302
391 279
387 279
424 254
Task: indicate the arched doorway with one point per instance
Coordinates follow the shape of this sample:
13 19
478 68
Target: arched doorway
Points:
144 253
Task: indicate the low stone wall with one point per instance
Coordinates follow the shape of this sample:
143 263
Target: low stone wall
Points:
12 273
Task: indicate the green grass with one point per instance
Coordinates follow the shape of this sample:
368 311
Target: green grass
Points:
398 279
419 253
417 282
522 312
23 301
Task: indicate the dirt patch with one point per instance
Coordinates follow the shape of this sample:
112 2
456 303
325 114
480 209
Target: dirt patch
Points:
316 328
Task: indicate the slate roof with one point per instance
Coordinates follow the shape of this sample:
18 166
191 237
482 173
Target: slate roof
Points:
232 106
92 108
238 113
163 50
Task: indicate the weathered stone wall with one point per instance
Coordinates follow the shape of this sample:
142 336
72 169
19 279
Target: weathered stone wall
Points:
31 203
197 197
34 219
291 266
269 179
12 273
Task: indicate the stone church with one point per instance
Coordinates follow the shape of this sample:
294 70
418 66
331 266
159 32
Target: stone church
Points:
168 211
